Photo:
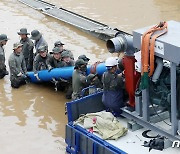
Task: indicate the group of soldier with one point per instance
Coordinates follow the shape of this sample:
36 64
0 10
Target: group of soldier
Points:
24 59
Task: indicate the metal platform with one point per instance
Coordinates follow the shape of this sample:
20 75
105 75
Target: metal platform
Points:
97 29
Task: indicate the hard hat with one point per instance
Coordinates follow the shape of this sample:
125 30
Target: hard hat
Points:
111 61
79 62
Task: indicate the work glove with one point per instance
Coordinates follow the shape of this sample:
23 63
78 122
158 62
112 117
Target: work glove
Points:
37 77
19 74
50 68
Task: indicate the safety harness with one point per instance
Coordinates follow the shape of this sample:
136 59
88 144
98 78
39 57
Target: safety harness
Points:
147 51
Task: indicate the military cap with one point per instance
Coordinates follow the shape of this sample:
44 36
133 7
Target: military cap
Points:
79 62
83 57
23 31
42 49
17 45
65 54
35 35
58 43
56 50
3 37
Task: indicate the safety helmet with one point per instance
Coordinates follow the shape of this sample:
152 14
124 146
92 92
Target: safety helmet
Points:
111 61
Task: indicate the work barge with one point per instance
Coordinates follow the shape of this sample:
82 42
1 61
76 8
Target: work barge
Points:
156 107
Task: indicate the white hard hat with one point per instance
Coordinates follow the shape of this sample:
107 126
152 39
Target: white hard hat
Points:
111 61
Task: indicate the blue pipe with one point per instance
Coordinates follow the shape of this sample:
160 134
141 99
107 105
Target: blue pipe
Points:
65 73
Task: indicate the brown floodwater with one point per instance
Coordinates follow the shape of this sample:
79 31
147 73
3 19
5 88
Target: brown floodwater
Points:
32 118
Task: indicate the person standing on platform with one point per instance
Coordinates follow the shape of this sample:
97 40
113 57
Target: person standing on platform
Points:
113 86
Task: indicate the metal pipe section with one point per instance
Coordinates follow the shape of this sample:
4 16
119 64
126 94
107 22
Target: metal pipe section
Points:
158 70
121 43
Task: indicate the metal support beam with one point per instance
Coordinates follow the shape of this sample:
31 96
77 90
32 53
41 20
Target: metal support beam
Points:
174 120
148 125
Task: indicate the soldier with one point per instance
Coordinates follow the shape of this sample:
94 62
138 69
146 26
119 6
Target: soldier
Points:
27 48
60 45
17 66
113 86
83 57
3 41
41 61
66 60
79 78
94 82
39 40
55 60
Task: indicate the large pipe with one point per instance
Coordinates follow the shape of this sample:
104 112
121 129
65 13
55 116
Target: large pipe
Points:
64 72
121 42
158 70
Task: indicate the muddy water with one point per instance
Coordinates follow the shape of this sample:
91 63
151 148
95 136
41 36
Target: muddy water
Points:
32 117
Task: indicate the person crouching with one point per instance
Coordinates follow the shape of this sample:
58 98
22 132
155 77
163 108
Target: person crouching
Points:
17 66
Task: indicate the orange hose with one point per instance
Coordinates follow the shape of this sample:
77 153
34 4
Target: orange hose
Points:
147 45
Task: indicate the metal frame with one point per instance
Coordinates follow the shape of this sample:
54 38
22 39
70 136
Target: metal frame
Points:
143 104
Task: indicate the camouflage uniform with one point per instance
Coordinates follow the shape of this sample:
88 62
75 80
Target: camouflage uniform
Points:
113 91
27 51
70 54
39 40
65 53
40 63
17 66
3 71
79 79
78 83
55 63
2 63
59 43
